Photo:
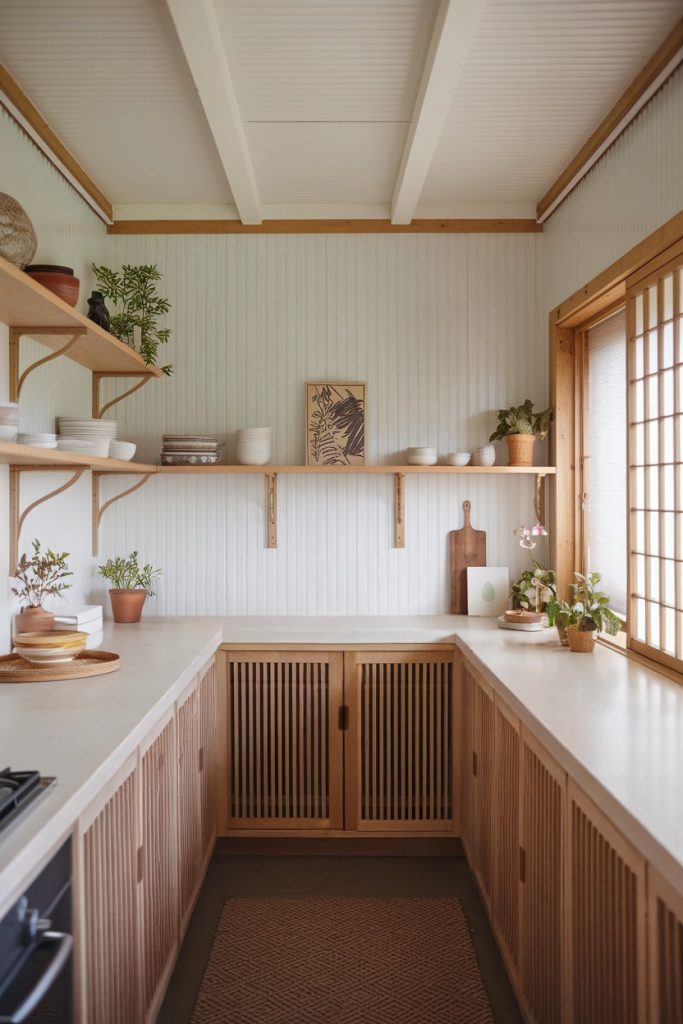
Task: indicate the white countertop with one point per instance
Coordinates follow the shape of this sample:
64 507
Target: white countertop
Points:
615 726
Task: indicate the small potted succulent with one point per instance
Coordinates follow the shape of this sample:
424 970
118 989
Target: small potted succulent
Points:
40 576
590 613
131 583
520 426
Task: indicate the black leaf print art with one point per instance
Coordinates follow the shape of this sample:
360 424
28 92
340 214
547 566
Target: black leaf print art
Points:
336 432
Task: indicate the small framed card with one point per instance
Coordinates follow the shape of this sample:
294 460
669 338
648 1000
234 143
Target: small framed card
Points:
488 589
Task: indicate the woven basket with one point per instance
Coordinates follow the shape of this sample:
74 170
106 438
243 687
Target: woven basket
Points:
520 449
581 641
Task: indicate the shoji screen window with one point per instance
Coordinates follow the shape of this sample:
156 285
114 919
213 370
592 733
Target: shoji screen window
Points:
655 316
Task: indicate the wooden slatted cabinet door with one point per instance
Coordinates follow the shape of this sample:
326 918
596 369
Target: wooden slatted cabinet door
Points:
209 764
189 801
285 740
159 886
505 873
606 919
400 763
469 804
665 950
106 873
542 941
482 861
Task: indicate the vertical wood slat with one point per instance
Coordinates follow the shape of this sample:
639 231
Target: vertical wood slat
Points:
505 862
665 951
484 739
210 766
469 805
189 810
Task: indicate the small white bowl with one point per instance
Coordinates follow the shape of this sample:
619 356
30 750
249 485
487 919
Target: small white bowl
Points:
484 456
458 458
8 433
418 459
121 450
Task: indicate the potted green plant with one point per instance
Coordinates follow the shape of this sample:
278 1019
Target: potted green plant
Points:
520 426
592 613
40 576
562 614
131 583
535 590
139 308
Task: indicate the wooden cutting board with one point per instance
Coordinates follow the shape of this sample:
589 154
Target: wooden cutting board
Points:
468 547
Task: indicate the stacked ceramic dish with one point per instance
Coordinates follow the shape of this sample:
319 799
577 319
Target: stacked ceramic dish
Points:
254 446
9 421
189 450
52 648
421 456
38 440
85 437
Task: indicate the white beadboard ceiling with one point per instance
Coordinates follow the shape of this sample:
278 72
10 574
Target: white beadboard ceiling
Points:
326 91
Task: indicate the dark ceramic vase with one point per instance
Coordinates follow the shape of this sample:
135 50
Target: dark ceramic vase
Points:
98 312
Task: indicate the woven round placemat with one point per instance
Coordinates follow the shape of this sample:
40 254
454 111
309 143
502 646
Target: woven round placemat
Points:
15 669
351 960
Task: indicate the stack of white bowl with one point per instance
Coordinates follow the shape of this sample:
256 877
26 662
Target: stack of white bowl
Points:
86 437
421 456
9 421
254 446
38 440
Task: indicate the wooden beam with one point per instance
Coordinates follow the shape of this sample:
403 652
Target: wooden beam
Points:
456 23
200 38
28 117
640 91
324 227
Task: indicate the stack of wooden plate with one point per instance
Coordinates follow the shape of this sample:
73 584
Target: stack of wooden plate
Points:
189 450
52 648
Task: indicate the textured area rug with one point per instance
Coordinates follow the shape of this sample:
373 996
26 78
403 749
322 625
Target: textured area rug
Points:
352 960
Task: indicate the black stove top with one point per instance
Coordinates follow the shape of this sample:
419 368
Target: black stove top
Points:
17 791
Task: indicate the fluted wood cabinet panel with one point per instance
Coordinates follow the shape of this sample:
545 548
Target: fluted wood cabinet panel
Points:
542 949
468 781
209 766
505 817
159 889
400 741
189 800
665 950
606 919
285 750
482 858
108 852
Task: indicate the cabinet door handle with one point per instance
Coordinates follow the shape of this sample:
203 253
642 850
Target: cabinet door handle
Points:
522 865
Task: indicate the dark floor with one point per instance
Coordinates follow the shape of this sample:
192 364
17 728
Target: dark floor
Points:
231 875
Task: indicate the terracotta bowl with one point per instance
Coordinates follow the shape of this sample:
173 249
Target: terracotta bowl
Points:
66 286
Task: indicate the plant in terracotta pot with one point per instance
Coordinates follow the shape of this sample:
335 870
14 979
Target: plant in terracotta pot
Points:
520 426
42 575
131 583
593 614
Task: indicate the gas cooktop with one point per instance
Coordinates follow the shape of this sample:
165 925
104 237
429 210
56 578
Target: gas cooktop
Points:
18 790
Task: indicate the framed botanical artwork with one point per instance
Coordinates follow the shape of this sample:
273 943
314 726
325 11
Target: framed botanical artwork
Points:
488 589
335 424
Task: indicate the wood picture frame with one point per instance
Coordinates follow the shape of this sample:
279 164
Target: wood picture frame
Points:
335 423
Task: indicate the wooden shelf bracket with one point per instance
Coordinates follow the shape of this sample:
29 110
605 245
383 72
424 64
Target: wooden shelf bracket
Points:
17 518
271 510
399 510
16 381
97 410
98 512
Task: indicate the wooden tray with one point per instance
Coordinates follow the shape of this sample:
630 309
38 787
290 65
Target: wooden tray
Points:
13 668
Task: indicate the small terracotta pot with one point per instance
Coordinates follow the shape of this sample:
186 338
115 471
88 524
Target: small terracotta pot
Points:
65 286
562 633
520 449
581 641
126 605
34 620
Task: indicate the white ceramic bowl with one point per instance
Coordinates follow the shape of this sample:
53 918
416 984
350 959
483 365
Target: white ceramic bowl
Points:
51 658
121 450
421 460
99 446
8 433
484 456
458 458
253 453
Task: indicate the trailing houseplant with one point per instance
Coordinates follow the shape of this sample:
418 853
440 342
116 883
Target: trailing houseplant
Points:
139 306
132 584
39 576
592 613
520 426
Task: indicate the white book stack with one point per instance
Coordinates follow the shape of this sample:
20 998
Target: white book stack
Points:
87 618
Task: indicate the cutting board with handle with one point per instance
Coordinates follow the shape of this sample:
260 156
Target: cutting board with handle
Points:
468 547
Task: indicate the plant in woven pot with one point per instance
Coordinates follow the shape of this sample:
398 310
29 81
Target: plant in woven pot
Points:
593 613
561 614
132 584
520 426
40 576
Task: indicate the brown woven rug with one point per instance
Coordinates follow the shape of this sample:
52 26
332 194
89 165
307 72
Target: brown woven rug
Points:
352 960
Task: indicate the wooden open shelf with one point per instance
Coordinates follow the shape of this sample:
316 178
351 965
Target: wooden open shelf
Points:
26 306
49 458
350 470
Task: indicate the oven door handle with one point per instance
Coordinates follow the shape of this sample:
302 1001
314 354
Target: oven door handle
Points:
63 943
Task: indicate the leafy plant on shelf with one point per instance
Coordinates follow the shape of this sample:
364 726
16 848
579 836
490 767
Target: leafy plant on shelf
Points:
128 574
592 605
133 290
521 419
40 576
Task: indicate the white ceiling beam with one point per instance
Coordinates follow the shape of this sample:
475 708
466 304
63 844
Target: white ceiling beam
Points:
456 24
199 34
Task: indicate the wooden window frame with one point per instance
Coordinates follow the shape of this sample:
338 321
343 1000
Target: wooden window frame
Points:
568 324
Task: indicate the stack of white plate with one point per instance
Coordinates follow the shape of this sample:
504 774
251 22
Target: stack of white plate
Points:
254 446
121 450
9 421
421 456
93 435
189 450
38 440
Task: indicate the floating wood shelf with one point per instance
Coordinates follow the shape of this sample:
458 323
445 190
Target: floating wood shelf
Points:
24 455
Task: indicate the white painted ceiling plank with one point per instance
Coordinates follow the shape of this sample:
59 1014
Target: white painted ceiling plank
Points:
454 29
199 34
